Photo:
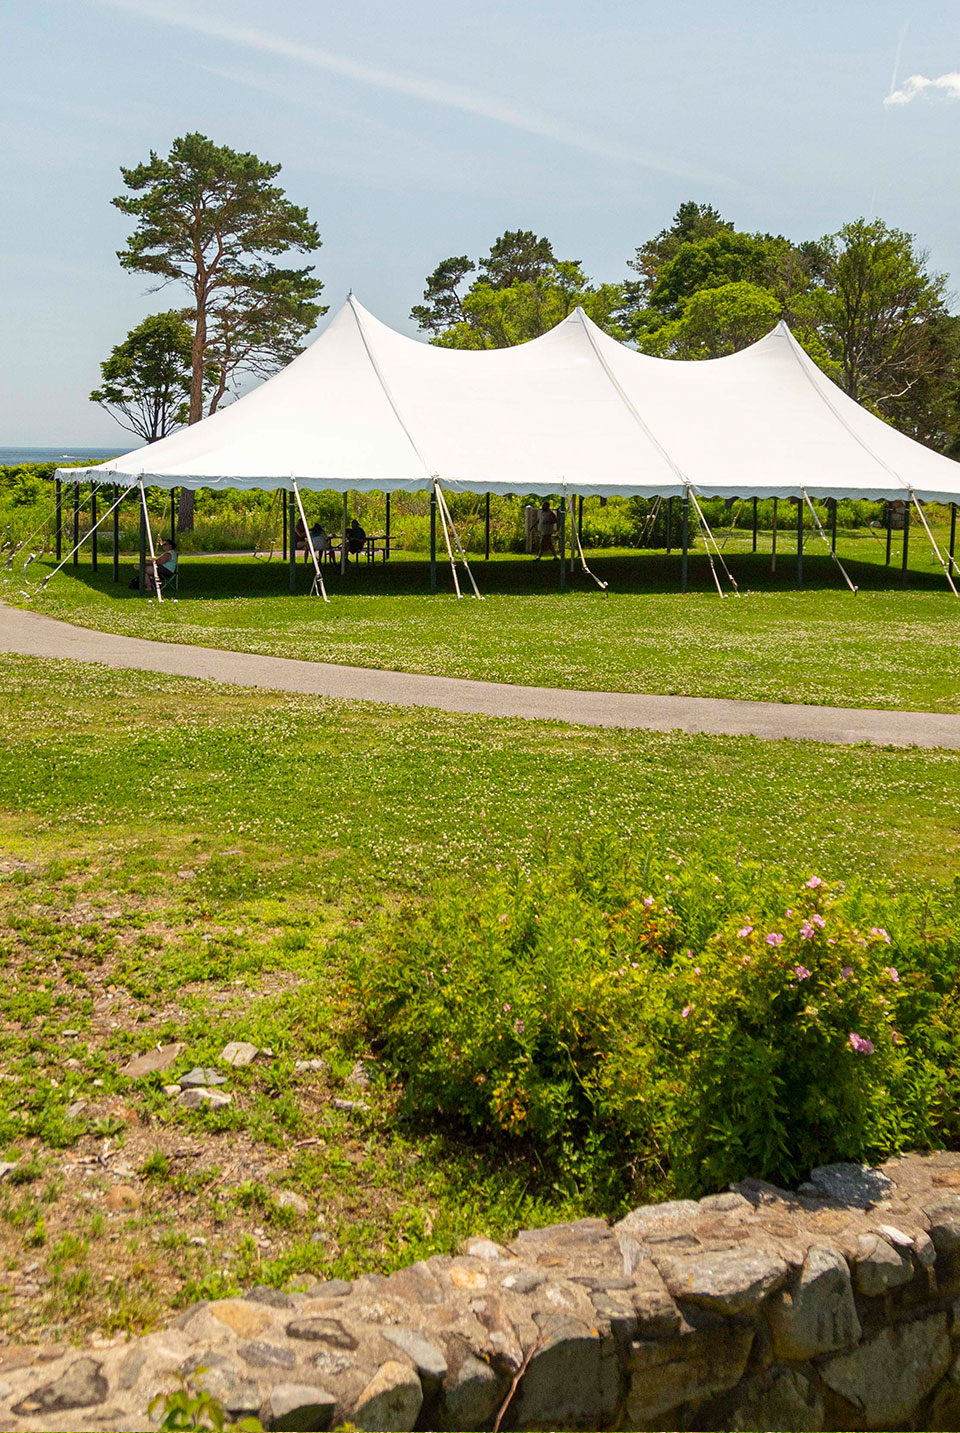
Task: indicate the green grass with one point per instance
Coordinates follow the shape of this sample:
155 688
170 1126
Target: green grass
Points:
176 859
887 646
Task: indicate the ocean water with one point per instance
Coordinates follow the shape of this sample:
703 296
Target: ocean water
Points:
58 455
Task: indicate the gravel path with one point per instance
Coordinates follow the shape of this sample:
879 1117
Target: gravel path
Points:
34 635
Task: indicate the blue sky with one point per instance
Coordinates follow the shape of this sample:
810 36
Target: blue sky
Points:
413 132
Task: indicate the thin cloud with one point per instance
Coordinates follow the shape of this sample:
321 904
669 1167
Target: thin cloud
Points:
456 97
915 85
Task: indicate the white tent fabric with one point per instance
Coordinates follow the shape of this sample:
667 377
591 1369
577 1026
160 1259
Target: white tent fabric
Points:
367 408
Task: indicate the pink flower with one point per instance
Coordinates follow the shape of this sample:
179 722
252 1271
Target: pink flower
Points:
774 938
880 933
648 901
686 1011
788 914
801 972
896 1037
744 931
519 1026
504 917
507 1009
860 1043
696 970
806 931
847 971
818 919
894 974
814 882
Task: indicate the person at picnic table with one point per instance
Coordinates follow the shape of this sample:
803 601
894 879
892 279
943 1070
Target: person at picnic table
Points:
320 539
300 539
547 522
356 538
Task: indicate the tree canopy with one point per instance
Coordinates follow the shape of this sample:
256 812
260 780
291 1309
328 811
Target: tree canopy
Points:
146 380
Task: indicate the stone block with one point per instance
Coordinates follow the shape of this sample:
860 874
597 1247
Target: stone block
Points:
660 1223
81 1385
780 1398
426 1358
298 1406
471 1392
879 1267
391 1400
888 1377
856 1185
729 1281
818 1315
701 1364
572 1381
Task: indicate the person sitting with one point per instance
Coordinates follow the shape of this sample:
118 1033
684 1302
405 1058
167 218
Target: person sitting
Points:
165 565
356 539
300 539
320 539
547 523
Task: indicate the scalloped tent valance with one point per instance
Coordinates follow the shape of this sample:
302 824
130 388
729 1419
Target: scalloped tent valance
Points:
364 407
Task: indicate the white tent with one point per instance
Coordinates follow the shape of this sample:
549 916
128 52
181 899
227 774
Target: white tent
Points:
365 407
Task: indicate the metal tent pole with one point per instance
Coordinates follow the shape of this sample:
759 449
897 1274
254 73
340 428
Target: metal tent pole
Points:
580 525
889 516
833 526
486 530
343 535
684 539
773 539
76 522
386 550
906 543
60 519
669 525
283 506
154 575
754 548
94 535
563 544
116 533
289 505
953 530
173 516
143 550
433 540
799 504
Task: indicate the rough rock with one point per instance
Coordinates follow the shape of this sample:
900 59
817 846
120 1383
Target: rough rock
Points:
879 1266
305 1067
819 1314
888 1376
426 1358
152 1061
944 1216
391 1400
854 1184
200 1098
267 1355
573 1379
246 1319
123 1196
290 1199
223 1380
664 1374
238 1053
319 1330
298 1406
199 1077
731 1281
471 1390
777 1398
81 1385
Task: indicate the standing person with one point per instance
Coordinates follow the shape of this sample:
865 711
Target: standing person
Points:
547 523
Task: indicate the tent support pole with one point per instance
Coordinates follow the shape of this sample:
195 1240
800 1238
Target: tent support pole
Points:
669 525
149 536
446 538
684 541
906 544
76 522
173 516
116 534
799 503
486 529
433 540
576 533
889 516
386 549
445 508
953 530
343 535
709 538
773 540
580 529
94 552
933 542
832 545
754 548
111 509
142 567
563 544
318 587
833 527
288 505
60 519
283 507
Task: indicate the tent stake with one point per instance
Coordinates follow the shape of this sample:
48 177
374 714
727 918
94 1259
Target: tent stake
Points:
60 519
906 544
116 534
94 554
822 533
308 542
486 530
799 504
754 548
292 545
933 543
433 540
153 555
773 540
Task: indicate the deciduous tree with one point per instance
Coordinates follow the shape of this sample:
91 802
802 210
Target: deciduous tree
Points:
146 380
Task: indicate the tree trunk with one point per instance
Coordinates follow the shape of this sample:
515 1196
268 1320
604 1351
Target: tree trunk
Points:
185 514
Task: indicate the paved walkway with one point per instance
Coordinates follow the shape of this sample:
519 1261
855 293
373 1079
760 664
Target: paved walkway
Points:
38 636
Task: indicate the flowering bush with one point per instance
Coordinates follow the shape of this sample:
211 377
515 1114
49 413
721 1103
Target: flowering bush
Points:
651 1025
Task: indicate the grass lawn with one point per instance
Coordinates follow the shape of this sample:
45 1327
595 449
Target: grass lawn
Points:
887 646
185 862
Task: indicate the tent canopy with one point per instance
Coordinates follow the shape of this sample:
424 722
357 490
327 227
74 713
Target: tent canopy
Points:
364 408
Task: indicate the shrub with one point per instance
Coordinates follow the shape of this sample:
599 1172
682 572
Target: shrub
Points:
647 1025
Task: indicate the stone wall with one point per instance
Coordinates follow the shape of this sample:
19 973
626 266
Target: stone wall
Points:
836 1307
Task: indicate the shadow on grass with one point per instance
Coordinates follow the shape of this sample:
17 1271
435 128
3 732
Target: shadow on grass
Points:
212 579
